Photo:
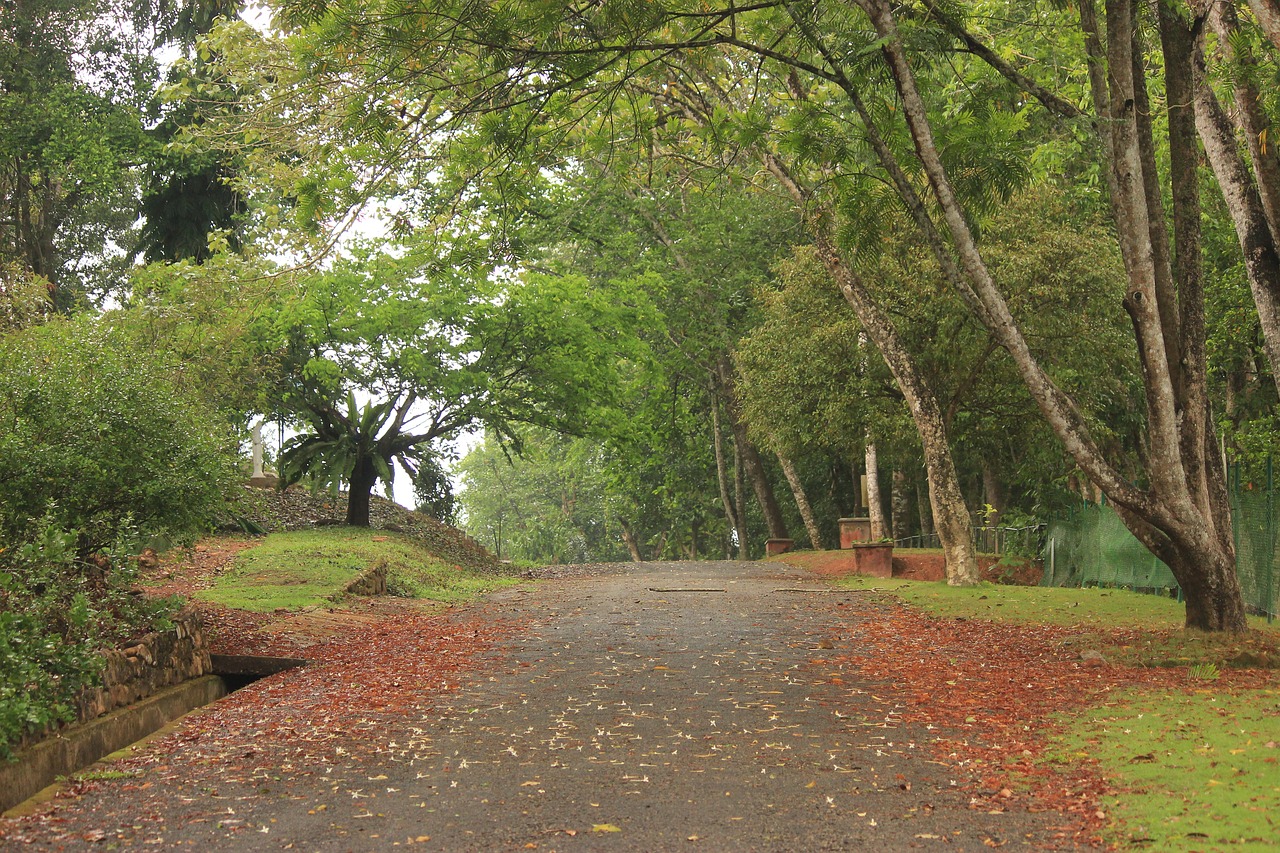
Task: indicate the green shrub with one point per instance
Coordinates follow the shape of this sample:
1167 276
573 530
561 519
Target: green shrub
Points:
57 612
96 429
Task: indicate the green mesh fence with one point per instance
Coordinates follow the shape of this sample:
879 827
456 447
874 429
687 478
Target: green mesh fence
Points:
1253 511
1091 546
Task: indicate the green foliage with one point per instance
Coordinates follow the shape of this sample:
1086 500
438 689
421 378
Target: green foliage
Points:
433 491
70 138
95 432
551 504
432 355
57 612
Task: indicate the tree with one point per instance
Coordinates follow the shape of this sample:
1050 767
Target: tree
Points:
70 133
760 80
430 359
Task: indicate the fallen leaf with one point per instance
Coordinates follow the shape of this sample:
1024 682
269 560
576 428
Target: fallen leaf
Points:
605 827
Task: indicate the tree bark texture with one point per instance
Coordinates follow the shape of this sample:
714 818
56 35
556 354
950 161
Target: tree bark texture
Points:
359 492
802 502
751 461
875 505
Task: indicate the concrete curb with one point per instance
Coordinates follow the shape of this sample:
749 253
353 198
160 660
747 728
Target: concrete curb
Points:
76 747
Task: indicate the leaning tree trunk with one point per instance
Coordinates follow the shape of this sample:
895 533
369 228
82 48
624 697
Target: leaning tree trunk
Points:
359 492
629 539
752 464
732 514
802 501
1181 516
950 514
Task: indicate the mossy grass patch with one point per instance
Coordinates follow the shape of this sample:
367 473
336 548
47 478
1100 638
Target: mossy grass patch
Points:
306 568
1193 770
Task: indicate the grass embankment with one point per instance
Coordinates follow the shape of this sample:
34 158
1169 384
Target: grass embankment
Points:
307 568
1193 769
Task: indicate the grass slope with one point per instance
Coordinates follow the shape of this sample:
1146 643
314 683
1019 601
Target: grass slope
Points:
306 568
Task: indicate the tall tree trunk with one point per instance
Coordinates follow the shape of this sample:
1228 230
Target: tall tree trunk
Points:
731 513
950 514
359 490
752 463
1179 516
855 476
740 499
802 501
629 539
900 501
875 506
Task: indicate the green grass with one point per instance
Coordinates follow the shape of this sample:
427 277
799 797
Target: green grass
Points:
307 568
1099 608
1197 770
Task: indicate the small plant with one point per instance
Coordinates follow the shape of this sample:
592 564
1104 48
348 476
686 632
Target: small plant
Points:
1203 672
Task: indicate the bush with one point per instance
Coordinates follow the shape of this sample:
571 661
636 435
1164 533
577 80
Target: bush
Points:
57 612
95 429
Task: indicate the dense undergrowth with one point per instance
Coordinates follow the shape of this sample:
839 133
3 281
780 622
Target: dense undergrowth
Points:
57 612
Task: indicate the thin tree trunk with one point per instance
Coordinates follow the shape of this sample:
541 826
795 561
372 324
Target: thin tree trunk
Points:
802 502
900 501
875 506
945 497
740 498
751 456
1167 517
722 476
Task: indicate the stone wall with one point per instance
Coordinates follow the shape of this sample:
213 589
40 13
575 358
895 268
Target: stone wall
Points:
372 581
158 660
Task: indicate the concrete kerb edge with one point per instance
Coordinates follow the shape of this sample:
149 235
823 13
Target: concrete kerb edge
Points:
76 747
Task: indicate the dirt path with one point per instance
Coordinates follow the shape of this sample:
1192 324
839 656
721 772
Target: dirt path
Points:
676 706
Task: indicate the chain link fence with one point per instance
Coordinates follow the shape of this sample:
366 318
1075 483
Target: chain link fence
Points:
1090 546
1020 541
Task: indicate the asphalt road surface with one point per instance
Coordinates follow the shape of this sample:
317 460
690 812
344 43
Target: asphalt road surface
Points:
666 706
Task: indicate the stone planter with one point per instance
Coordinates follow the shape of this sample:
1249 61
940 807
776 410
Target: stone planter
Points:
873 559
854 530
774 547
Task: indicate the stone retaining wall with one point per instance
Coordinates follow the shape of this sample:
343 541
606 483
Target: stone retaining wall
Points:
372 581
157 661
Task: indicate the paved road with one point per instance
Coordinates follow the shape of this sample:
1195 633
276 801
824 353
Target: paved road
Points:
673 706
